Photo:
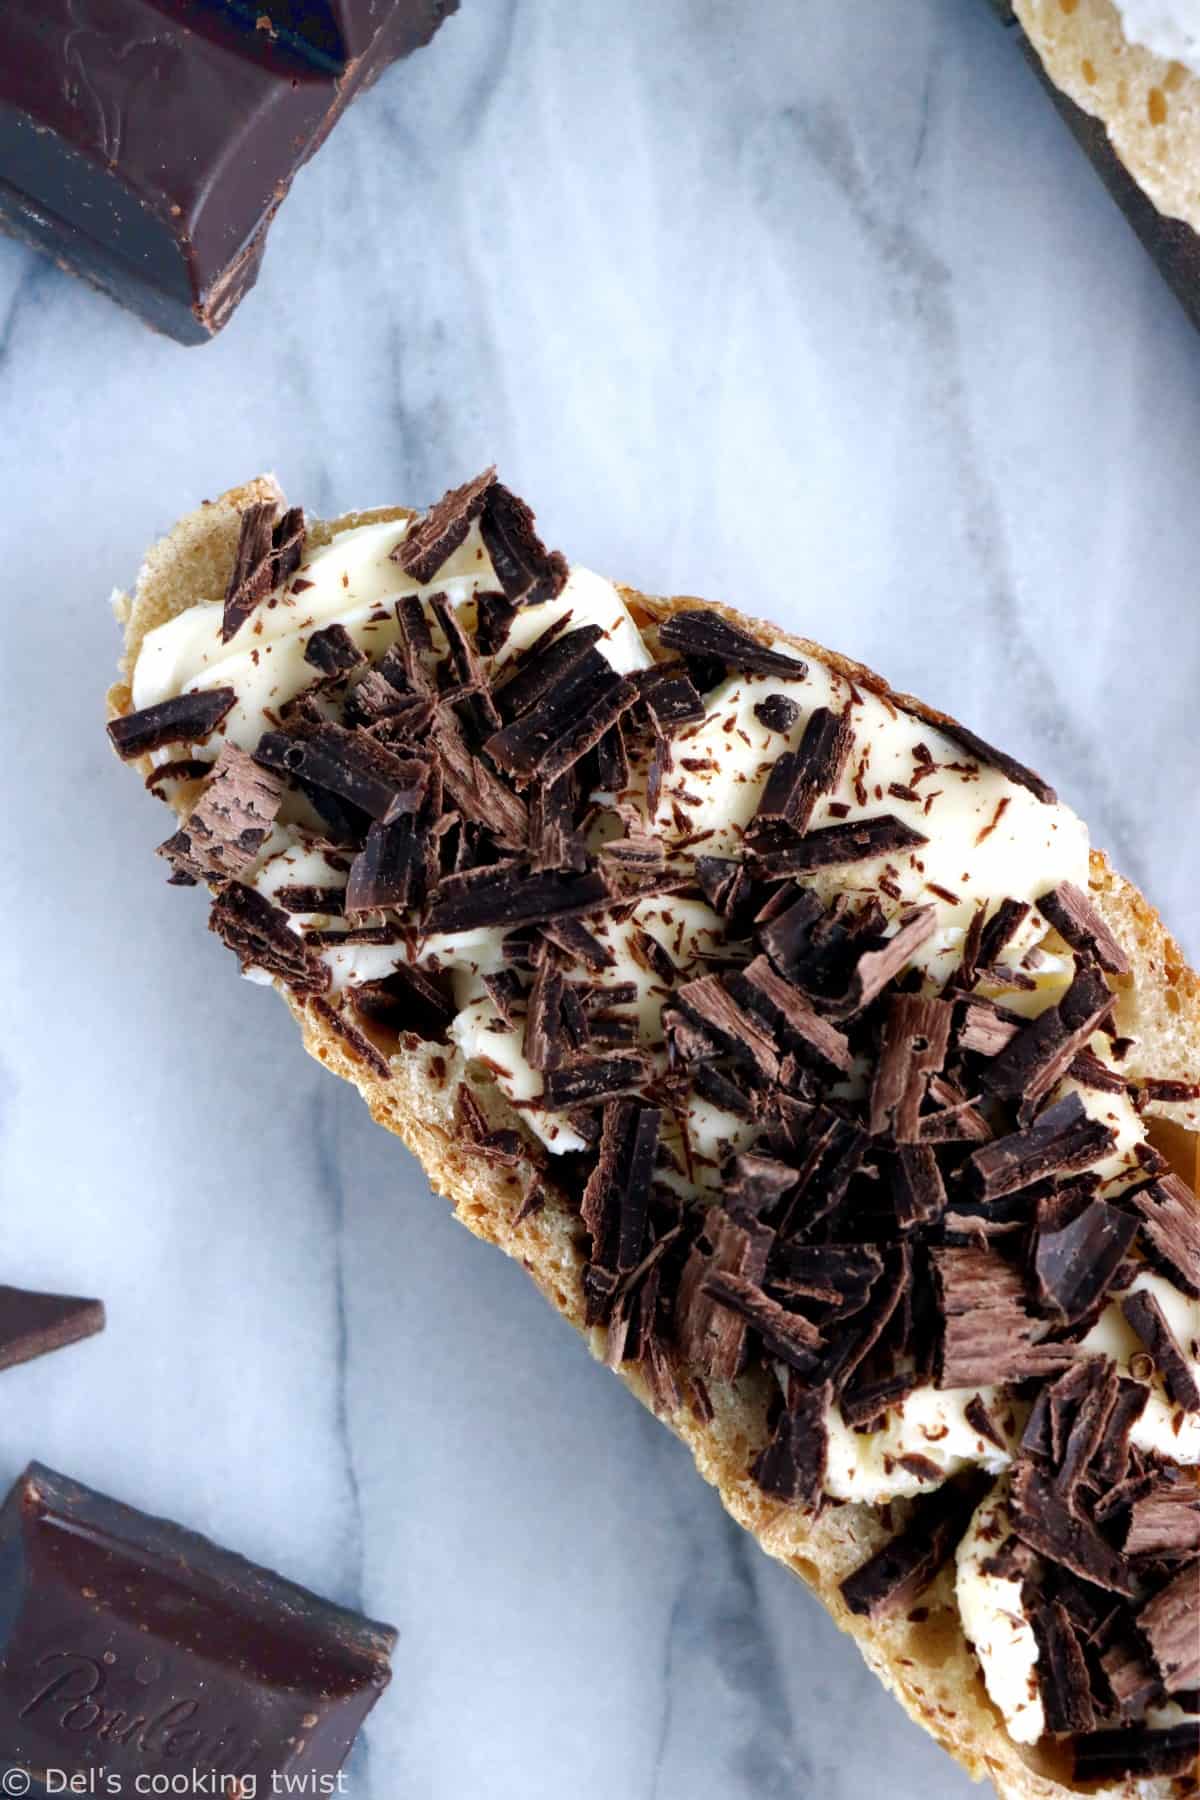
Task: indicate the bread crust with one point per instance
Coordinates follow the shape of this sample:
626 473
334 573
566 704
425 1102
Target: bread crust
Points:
926 1663
1150 107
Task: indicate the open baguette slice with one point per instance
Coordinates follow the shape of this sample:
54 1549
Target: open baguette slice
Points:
925 1661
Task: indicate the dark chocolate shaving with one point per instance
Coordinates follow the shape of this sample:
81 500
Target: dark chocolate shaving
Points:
507 895
1076 920
225 830
593 1078
1045 1521
800 777
1062 1671
333 652
978 748
432 539
525 569
261 938
1040 1055
791 1016
1137 1750
1165 1523
407 1000
359 1047
916 1036
713 1337
860 840
669 694
1063 1140
1170 1624
268 551
1145 1316
714 1009
892 1579
777 712
792 1466
352 765
1170 1220
616 1200
185 719
989 1333
787 1337
704 633
1075 1258
389 870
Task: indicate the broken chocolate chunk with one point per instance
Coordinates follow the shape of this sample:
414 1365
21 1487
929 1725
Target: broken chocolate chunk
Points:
668 692
704 633
916 1035
616 1200
1062 1671
388 870
1061 1141
791 1015
875 968
594 1078
1165 1523
525 569
507 895
1077 921
859 840
777 712
892 1579
787 1337
1137 1750
1045 1521
432 539
713 1337
407 1000
1040 1055
1145 1316
792 1466
358 1047
981 750
189 718
33 1324
708 1003
989 1333
269 549
333 652
1076 1258
352 765
226 829
1170 1219
261 938
800 777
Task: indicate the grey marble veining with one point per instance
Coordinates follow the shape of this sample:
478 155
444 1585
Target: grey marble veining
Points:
814 308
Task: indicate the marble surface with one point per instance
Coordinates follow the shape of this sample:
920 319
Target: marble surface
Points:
812 307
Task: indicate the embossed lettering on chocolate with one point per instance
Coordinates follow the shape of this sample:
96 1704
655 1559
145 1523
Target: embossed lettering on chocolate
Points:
131 1645
147 144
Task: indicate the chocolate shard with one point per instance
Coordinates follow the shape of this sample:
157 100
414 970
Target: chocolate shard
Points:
859 840
407 1000
1165 1523
1076 1258
269 549
574 939
918 1191
261 938
989 1333
995 936
388 871
668 692
478 793
549 737
542 669
829 1156
593 1078
507 895
225 830
1112 1459
432 539
1086 1398
836 1277
792 1017
755 1184
1061 1141
1170 1624
890 1581
333 652
787 1337
1040 1055
792 1466
33 1324
1137 1750
616 1199
957 1120
982 751
875 968
1076 920
356 1044
704 633
1045 1521
1132 1679
545 1031
712 1337
1145 1316
524 568
800 777
916 1035
189 718
987 1028
466 663
353 765
1170 1220
713 1008
1062 1671
122 1634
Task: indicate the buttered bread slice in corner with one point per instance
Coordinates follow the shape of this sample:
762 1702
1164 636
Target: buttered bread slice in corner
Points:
795 1040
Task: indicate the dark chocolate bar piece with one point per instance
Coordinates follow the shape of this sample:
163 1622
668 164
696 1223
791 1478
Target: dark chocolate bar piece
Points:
1173 246
34 1324
147 144
131 1645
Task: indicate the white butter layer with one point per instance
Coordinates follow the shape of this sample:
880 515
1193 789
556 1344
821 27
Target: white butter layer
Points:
994 1622
931 1424
1169 28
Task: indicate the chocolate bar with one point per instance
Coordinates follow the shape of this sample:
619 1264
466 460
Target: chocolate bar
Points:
33 1324
132 1646
1172 245
147 144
